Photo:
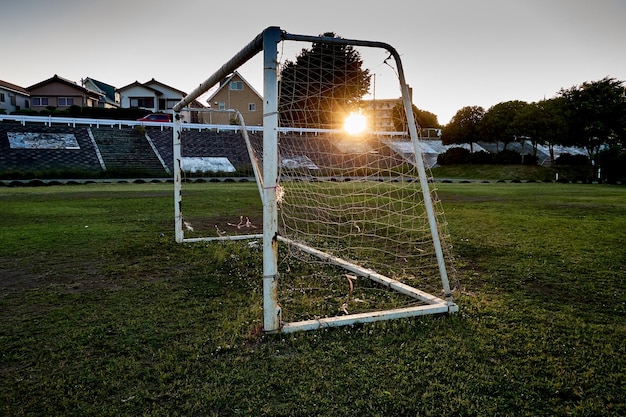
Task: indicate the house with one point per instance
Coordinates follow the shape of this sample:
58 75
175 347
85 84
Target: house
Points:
110 98
234 92
155 97
60 93
13 98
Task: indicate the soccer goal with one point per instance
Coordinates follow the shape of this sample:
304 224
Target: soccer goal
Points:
352 230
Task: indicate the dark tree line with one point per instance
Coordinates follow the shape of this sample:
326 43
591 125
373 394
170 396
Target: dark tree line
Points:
591 116
423 118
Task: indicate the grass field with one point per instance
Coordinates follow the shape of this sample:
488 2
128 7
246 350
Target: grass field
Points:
101 313
537 173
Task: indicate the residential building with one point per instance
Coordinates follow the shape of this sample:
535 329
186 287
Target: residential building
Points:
379 113
234 92
155 97
13 98
60 93
110 98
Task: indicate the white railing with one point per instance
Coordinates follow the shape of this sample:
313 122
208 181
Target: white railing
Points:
74 121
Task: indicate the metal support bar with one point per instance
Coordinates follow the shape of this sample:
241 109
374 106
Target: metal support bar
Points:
351 319
271 309
222 238
177 131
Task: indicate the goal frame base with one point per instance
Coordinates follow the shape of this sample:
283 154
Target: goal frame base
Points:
442 307
431 304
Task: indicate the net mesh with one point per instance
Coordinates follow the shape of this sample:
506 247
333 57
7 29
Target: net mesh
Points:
361 202
354 197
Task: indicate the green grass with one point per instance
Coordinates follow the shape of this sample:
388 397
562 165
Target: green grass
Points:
101 313
513 173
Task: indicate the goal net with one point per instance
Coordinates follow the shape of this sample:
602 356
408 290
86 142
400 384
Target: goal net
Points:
352 230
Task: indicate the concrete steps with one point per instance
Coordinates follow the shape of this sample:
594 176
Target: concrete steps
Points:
127 150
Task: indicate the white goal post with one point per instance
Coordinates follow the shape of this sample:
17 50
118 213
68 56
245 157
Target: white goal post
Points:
365 205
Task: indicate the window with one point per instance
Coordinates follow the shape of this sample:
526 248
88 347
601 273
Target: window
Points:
251 106
236 85
40 101
147 102
221 105
2 97
65 101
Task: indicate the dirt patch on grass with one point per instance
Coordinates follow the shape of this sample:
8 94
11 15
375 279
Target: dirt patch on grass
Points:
69 276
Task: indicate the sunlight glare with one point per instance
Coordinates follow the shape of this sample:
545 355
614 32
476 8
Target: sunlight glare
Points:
355 123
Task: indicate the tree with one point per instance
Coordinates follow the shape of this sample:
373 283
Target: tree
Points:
322 85
533 123
556 129
543 123
463 127
596 115
423 118
498 123
612 162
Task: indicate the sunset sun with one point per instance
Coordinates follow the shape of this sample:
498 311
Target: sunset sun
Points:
355 123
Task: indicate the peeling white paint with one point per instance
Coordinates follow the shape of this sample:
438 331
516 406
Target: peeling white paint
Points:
206 164
30 140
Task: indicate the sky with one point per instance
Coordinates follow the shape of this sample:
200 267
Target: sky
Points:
455 53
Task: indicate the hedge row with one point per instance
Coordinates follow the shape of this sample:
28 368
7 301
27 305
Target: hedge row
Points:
459 156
